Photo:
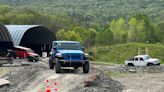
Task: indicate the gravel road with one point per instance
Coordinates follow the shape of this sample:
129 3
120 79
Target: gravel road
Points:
101 78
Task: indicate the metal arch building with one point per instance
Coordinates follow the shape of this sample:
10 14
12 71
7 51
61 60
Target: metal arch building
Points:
5 40
36 37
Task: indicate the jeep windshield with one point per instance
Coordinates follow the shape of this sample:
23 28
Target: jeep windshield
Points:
69 46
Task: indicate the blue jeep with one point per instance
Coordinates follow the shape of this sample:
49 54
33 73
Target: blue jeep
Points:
68 54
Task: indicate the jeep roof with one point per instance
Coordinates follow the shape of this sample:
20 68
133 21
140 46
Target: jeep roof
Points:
66 41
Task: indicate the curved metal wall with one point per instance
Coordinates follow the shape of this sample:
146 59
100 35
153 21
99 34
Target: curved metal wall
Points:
5 40
4 34
37 37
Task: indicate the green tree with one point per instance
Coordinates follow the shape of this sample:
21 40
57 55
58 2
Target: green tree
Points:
4 9
90 40
73 36
160 31
136 30
150 28
105 37
61 35
119 30
69 35
88 36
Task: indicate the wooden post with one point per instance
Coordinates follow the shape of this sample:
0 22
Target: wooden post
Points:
139 51
147 52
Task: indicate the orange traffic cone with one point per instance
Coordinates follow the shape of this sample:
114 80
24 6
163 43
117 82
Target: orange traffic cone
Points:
47 86
48 89
55 87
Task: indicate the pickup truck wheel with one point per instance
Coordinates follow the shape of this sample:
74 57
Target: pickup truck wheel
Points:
130 64
51 64
149 64
36 60
158 64
57 66
31 59
86 67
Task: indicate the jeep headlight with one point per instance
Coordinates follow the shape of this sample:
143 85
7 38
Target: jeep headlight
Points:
58 54
86 55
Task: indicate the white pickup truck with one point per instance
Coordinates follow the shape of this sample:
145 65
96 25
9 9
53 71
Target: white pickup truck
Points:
142 60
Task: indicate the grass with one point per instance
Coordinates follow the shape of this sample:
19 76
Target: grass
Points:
117 54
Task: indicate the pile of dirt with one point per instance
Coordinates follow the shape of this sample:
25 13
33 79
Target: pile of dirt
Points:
21 77
98 83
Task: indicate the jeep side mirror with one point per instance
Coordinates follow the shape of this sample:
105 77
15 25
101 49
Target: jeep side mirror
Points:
54 48
83 48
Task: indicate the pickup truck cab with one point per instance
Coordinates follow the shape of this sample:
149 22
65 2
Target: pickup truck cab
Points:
142 60
68 54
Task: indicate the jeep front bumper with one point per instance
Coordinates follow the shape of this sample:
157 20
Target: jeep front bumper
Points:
73 63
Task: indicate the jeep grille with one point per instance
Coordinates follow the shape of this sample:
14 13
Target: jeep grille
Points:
73 56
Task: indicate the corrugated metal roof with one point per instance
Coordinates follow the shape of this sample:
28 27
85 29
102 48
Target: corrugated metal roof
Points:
4 34
17 32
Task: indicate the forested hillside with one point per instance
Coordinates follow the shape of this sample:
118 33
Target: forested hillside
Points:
92 22
93 11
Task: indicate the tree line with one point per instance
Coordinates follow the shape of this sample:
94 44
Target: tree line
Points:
137 28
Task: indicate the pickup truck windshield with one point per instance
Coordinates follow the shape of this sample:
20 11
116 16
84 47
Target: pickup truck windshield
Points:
29 51
147 57
69 46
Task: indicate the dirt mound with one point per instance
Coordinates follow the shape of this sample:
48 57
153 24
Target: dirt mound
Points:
98 83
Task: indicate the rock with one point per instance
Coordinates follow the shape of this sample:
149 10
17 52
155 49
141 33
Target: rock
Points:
4 82
11 65
132 71
25 64
91 80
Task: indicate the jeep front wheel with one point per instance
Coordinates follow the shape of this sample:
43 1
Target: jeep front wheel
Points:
51 64
57 66
86 67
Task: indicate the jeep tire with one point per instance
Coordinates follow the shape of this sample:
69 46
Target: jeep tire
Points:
57 66
51 64
86 67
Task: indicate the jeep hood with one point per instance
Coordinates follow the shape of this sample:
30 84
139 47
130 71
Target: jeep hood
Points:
71 51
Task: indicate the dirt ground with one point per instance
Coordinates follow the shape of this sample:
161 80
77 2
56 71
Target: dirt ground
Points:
73 81
101 78
137 79
32 78
142 82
